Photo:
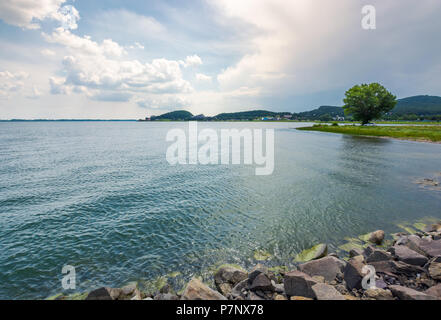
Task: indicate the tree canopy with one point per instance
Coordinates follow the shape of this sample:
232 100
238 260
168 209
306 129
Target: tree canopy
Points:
366 102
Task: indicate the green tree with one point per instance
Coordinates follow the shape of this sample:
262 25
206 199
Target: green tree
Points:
368 101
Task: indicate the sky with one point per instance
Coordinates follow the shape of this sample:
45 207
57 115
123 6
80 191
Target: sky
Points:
64 59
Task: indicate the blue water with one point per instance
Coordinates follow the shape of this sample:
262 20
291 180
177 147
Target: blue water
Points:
101 196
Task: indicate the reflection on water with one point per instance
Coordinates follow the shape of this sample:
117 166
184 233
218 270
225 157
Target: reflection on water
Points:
102 197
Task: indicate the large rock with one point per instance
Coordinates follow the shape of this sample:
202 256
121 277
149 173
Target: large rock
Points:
261 282
434 291
230 274
378 255
227 277
103 293
428 247
405 293
353 274
327 267
435 268
297 283
396 268
258 269
324 291
378 294
316 252
377 237
196 290
407 255
240 289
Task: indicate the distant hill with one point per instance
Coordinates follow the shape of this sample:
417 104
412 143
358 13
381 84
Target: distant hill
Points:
419 105
315 114
248 115
174 115
423 107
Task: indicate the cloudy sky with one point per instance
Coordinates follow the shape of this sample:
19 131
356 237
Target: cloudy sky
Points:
128 59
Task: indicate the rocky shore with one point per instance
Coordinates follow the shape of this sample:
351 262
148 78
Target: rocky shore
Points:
409 268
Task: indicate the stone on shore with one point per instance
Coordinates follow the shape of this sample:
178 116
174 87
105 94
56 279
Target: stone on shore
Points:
297 283
378 255
378 294
227 277
428 247
261 282
324 291
405 293
355 252
316 252
353 274
327 267
434 291
103 293
435 268
407 255
196 290
376 237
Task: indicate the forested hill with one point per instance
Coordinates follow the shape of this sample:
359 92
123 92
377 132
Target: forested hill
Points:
419 105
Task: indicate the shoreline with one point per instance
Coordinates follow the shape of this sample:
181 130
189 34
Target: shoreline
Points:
408 267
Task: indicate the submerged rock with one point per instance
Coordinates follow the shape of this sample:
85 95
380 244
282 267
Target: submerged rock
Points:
316 252
196 290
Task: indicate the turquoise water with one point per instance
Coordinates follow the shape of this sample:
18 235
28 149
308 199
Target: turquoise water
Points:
101 196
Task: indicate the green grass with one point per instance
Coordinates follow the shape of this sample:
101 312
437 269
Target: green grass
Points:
417 133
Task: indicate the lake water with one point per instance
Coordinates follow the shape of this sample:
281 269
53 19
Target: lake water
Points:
101 196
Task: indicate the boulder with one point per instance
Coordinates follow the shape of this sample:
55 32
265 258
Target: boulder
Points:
353 274
404 293
103 293
435 268
129 289
377 237
230 274
324 291
378 294
196 290
378 255
261 282
239 288
434 291
300 298
297 283
428 247
166 296
258 269
403 253
355 252
280 297
397 268
327 267
316 252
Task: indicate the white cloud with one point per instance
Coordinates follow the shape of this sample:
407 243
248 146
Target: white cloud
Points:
191 61
11 82
168 102
203 77
35 93
93 66
47 53
28 13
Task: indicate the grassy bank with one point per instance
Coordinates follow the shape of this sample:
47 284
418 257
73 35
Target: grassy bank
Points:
416 133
